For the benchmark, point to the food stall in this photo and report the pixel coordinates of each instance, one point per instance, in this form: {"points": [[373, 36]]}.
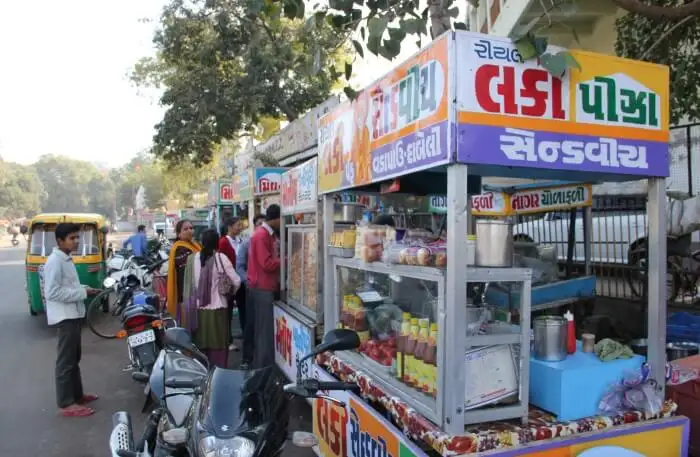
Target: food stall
{"points": [[431, 382], [256, 189]]}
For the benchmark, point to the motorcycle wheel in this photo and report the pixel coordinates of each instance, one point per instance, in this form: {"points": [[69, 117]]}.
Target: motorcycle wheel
{"points": [[104, 324]]}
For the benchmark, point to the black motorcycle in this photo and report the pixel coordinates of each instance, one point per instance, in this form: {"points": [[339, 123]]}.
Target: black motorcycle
{"points": [[219, 412]]}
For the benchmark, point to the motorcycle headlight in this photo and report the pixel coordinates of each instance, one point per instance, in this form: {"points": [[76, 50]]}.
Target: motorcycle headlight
{"points": [[238, 446]]}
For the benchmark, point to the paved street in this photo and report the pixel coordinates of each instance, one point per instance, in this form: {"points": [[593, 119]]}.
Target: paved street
{"points": [[30, 425]]}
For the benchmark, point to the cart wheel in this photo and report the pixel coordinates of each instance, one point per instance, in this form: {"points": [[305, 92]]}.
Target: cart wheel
{"points": [[104, 324], [637, 276], [32, 312]]}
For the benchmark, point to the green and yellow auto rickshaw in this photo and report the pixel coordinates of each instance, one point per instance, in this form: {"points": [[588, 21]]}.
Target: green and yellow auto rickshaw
{"points": [[89, 258]]}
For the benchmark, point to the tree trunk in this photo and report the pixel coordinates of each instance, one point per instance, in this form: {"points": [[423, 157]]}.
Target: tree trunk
{"points": [[439, 19], [658, 13]]}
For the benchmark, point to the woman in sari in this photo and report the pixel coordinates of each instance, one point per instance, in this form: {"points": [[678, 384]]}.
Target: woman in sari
{"points": [[179, 253], [212, 270]]}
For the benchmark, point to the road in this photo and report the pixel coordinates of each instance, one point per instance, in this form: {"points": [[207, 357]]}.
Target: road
{"points": [[30, 424]]}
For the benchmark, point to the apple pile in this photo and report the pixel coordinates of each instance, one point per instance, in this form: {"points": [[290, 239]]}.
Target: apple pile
{"points": [[381, 351]]}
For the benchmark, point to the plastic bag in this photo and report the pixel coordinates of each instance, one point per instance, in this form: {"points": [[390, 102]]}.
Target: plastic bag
{"points": [[634, 392]]}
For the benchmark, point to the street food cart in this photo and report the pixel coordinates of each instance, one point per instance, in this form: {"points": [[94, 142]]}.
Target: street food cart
{"points": [[468, 106], [256, 189]]}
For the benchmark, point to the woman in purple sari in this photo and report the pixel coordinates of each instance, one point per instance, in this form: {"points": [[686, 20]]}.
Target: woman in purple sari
{"points": [[211, 268]]}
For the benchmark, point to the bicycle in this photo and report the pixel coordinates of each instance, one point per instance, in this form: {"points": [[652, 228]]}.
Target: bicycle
{"points": [[678, 276]]}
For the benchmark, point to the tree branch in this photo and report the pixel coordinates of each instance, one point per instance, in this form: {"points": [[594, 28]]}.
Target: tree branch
{"points": [[665, 35], [657, 13]]}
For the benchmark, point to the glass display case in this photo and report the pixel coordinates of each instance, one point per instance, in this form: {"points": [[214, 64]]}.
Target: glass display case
{"points": [[396, 313], [303, 269]]}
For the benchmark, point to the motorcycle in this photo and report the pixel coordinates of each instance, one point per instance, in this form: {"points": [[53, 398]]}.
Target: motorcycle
{"points": [[220, 412]]}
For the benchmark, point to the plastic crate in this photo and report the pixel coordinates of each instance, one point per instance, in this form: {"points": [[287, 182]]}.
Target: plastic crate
{"points": [[683, 327]]}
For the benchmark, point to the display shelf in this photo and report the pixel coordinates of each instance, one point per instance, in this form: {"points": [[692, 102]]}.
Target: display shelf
{"points": [[474, 274]]}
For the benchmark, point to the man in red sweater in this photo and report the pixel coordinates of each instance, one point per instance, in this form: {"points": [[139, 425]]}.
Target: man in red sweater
{"points": [[263, 285], [228, 245]]}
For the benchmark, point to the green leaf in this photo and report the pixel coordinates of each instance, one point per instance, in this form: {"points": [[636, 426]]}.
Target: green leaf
{"points": [[373, 44], [290, 9], [461, 26], [390, 49], [411, 25], [571, 61], [376, 26], [555, 64], [362, 32], [453, 12], [526, 47], [358, 48], [348, 70], [356, 15], [396, 34], [541, 44], [350, 92]]}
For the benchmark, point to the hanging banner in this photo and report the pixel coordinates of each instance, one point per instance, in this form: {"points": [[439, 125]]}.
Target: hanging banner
{"points": [[560, 198], [299, 193], [612, 116], [396, 126], [268, 180], [491, 204]]}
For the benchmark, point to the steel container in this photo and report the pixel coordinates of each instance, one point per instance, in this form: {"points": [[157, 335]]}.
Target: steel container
{"points": [[550, 338], [494, 243]]}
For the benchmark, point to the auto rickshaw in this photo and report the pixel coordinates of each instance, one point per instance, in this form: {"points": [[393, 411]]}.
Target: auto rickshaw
{"points": [[89, 258]]}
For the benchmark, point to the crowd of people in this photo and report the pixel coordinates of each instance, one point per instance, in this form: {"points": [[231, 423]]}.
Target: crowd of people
{"points": [[208, 278]]}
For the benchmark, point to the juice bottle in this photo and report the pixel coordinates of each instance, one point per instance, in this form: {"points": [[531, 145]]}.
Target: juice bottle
{"points": [[430, 359], [421, 346], [401, 342], [409, 358]]}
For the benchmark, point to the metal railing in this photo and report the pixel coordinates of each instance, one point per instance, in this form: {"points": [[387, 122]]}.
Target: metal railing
{"points": [[619, 225]]}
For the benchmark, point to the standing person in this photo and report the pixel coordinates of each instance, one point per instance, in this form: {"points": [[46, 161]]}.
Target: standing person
{"points": [[183, 247], [138, 242], [211, 268], [264, 282], [242, 297], [229, 245], [65, 309]]}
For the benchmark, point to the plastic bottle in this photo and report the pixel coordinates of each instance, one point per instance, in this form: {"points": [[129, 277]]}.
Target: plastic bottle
{"points": [[570, 333], [401, 344]]}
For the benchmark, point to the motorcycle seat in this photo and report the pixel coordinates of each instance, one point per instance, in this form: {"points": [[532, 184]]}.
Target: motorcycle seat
{"points": [[140, 309]]}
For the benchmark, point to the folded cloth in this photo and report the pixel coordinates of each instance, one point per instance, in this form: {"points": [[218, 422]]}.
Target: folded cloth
{"points": [[607, 350]]}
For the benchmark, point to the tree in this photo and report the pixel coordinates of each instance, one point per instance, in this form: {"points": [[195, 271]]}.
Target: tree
{"points": [[21, 190], [227, 64], [666, 40]]}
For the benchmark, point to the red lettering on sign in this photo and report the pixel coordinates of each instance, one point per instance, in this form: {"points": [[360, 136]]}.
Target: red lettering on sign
{"points": [[530, 92], [267, 185], [526, 201], [333, 154], [225, 192], [332, 426], [283, 340], [482, 202]]}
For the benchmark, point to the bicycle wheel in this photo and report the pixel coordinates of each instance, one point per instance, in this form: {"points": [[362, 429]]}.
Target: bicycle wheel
{"points": [[105, 322], [639, 283]]}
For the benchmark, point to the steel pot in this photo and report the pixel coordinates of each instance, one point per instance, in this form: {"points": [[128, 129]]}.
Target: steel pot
{"points": [[494, 243], [681, 350], [550, 338], [639, 346], [348, 212]]}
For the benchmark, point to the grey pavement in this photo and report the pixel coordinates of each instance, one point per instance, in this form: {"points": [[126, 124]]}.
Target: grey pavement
{"points": [[29, 424]]}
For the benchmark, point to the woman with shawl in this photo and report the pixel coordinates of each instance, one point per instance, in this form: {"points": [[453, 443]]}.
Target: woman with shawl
{"points": [[213, 325], [179, 253]]}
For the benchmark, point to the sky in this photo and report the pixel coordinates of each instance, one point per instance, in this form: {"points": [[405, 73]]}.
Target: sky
{"points": [[64, 87]]}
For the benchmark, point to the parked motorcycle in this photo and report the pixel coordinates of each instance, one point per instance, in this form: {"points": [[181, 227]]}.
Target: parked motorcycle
{"points": [[220, 412]]}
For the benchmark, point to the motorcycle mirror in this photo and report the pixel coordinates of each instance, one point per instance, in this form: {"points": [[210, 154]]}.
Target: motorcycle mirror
{"points": [[341, 339], [298, 390], [108, 283]]}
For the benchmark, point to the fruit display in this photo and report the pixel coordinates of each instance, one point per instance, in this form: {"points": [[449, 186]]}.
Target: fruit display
{"points": [[381, 351]]}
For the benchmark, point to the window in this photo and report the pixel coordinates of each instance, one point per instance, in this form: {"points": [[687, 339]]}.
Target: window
{"points": [[43, 240]]}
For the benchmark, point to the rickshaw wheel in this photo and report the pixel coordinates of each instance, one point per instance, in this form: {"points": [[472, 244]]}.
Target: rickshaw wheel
{"points": [[96, 315], [33, 313]]}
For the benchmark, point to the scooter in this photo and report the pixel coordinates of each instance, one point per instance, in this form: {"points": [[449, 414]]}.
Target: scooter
{"points": [[220, 412]]}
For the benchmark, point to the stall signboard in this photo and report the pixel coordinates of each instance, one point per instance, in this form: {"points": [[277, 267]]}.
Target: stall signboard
{"points": [[664, 438], [268, 180], [225, 191], [299, 193], [356, 430], [437, 203], [244, 186], [396, 126], [551, 199], [293, 340], [491, 204], [195, 214], [609, 116]]}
